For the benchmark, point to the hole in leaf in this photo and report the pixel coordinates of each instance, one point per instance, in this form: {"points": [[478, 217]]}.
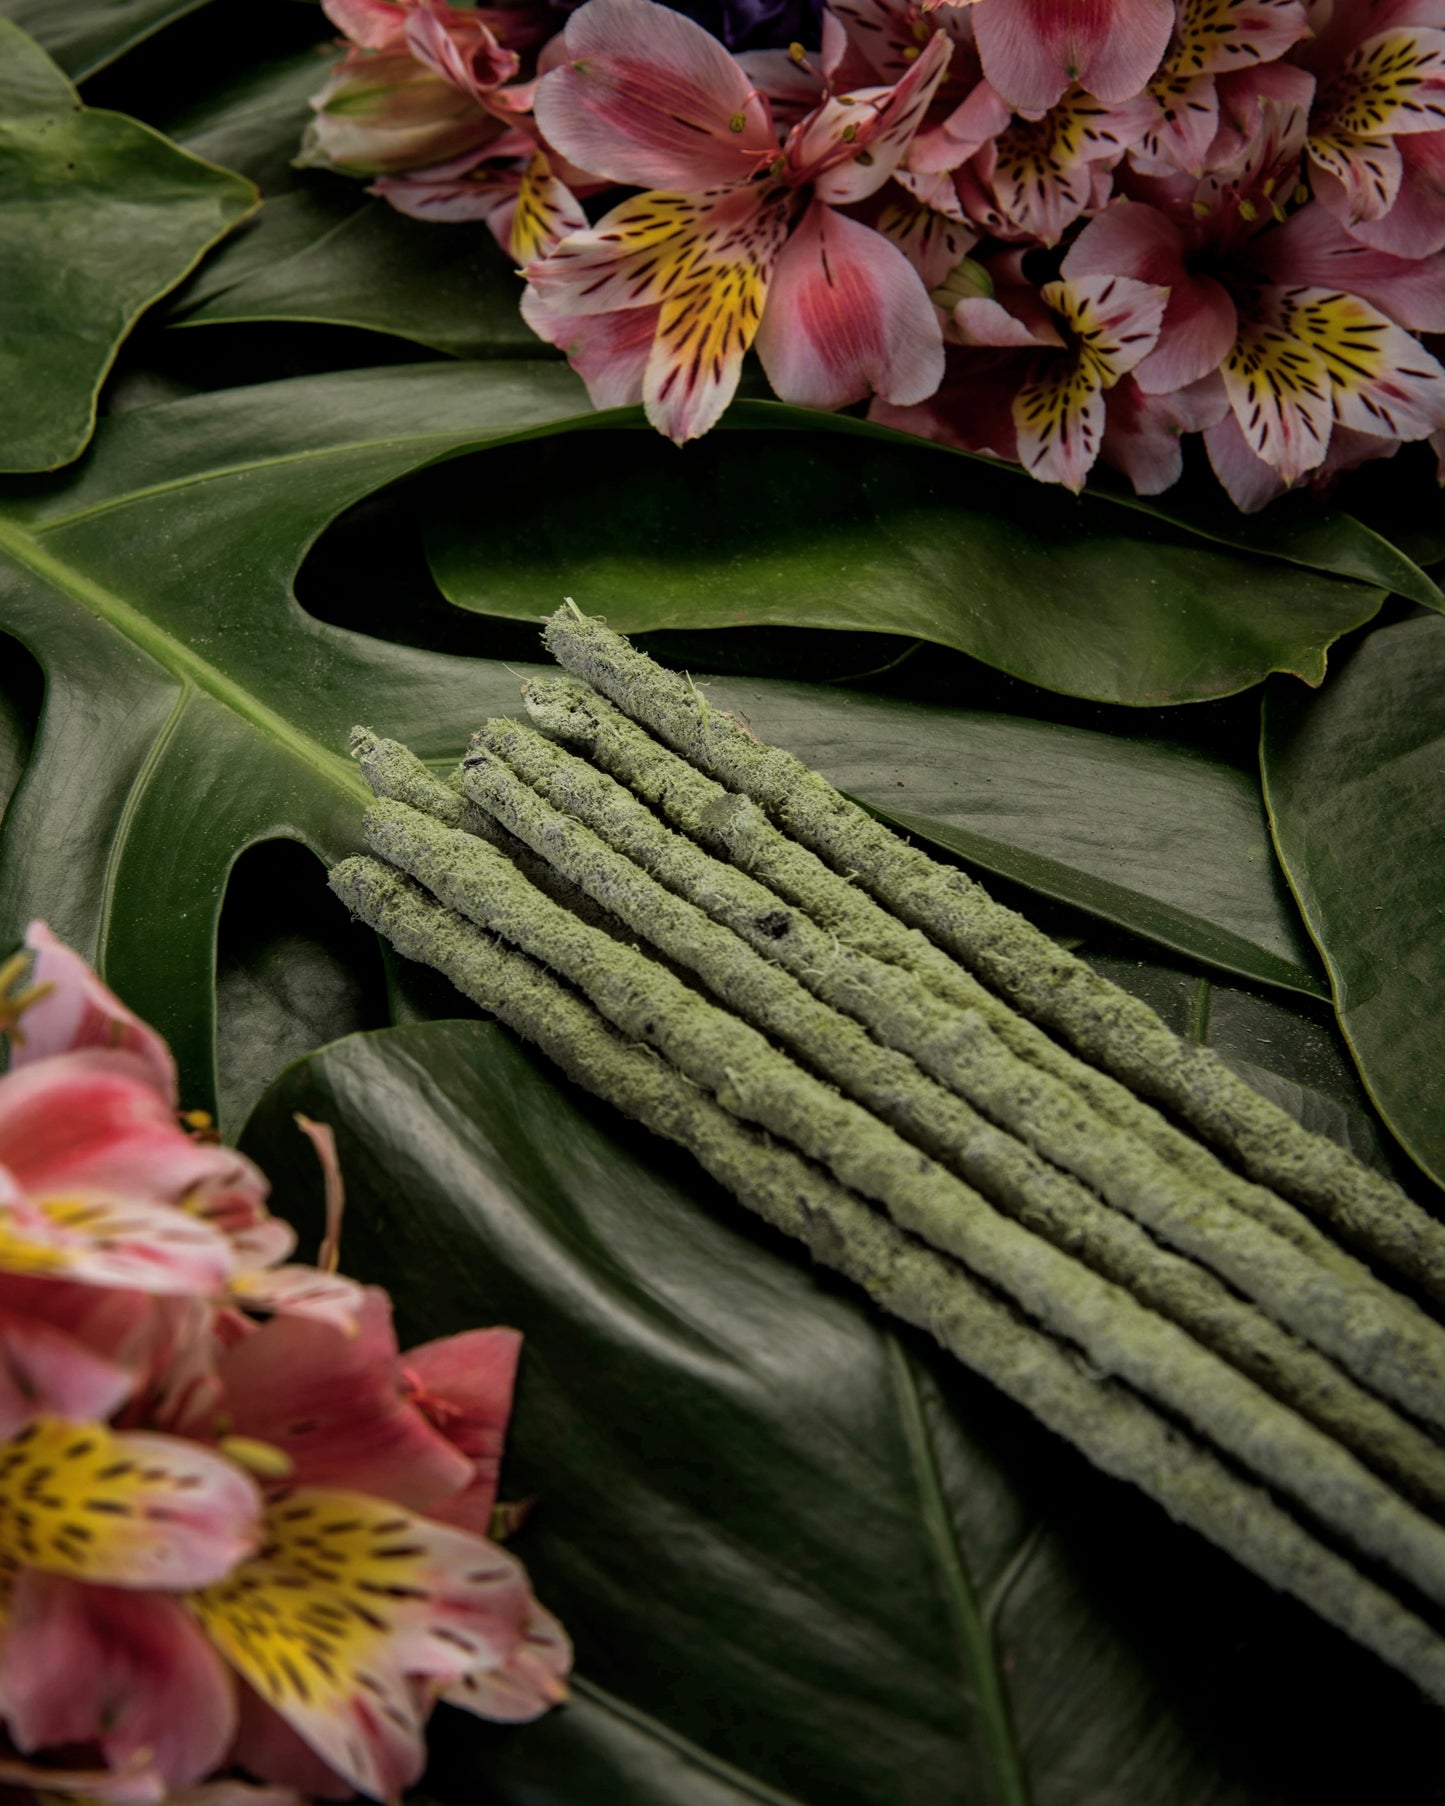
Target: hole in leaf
{"points": [[292, 972]]}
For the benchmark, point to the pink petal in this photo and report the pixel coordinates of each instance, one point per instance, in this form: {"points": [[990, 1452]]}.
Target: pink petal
{"points": [[881, 40], [922, 216], [1382, 380], [463, 1385], [1414, 228], [1224, 35], [1279, 387], [382, 1597], [1255, 157], [648, 98], [1143, 433], [1132, 239], [267, 1746], [1185, 124], [1313, 250], [980, 321], [297, 1291], [1251, 482], [45, 1372], [79, 1011], [460, 48], [529, 1683], [475, 186], [323, 1139], [546, 212], [1129, 239], [373, 24], [977, 119], [1041, 171], [1059, 414], [1392, 84], [1349, 449], [712, 281], [1033, 50], [1366, 171], [847, 317], [132, 1509], [972, 409], [334, 1403], [128, 1671], [608, 351], [853, 143]]}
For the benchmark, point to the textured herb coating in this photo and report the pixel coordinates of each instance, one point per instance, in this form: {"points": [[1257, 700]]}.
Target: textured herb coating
{"points": [[393, 770], [755, 1081], [960, 1050], [734, 828], [1301, 1279], [1105, 1421], [1100, 1020]]}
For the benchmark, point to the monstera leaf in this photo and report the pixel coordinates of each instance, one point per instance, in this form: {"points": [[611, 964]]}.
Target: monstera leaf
{"points": [[98, 217], [805, 1558], [194, 708]]}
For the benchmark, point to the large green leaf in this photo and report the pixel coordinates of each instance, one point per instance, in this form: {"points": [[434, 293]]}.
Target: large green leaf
{"points": [[99, 216], [323, 250], [1355, 785], [834, 526], [84, 35], [195, 709], [806, 1560]]}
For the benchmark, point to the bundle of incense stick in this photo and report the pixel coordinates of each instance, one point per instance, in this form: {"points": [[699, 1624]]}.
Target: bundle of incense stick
{"points": [[1000, 1146]]}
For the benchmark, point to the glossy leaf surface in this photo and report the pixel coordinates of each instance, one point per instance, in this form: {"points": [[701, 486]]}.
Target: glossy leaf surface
{"points": [[1355, 784], [323, 251], [807, 1561], [85, 35], [194, 708], [99, 216], [833, 526]]}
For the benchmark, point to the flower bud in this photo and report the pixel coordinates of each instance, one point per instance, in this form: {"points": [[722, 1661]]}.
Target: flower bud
{"points": [[382, 111]]}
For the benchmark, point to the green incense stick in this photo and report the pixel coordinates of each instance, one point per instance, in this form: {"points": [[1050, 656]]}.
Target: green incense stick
{"points": [[756, 1082], [1384, 1339], [1101, 1021], [1106, 1422]]}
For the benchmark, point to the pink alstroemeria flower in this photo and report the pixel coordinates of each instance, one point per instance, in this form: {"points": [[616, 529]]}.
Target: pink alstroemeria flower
{"points": [[98, 1180], [1048, 357], [1309, 337], [1031, 178], [422, 85], [1377, 131], [213, 1547], [65, 1007], [1212, 38], [737, 240]]}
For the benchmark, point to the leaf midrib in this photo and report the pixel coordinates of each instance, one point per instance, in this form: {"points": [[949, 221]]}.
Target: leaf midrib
{"points": [[180, 660], [970, 1623]]}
